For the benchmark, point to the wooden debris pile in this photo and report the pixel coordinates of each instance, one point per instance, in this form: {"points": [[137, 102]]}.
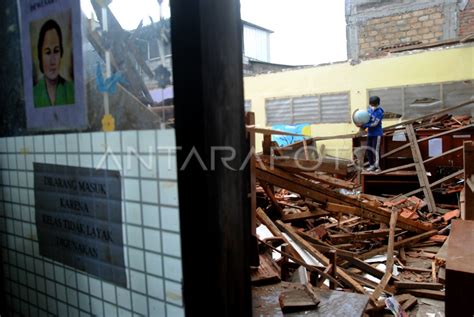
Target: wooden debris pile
{"points": [[391, 249], [316, 217]]}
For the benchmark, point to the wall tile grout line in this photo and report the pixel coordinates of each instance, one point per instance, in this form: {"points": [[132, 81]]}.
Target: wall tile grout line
{"points": [[59, 293], [160, 215], [141, 224]]}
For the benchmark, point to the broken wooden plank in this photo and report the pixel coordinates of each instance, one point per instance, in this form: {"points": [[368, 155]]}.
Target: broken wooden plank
{"points": [[359, 236], [310, 268], [371, 284], [415, 269], [389, 263], [366, 267], [436, 183], [323, 246], [391, 241], [426, 293], [398, 244], [381, 285], [326, 179], [323, 195], [418, 285], [262, 216], [266, 131], [299, 165], [406, 224], [250, 119], [304, 215], [320, 257], [269, 193], [420, 168]]}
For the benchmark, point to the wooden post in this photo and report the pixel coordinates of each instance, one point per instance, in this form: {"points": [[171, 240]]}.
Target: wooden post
{"points": [[213, 204], [254, 257], [468, 210], [267, 144], [420, 168]]}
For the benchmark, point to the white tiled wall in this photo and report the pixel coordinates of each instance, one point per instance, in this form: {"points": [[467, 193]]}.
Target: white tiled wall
{"points": [[37, 286]]}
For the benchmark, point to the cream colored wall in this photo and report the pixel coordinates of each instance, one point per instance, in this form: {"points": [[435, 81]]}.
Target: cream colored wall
{"points": [[439, 65]]}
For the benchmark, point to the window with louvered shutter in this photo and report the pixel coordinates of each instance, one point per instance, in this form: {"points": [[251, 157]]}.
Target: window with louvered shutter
{"points": [[335, 108], [391, 100]]}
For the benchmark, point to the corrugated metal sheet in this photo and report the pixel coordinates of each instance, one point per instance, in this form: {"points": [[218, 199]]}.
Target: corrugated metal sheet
{"points": [[335, 108], [390, 100], [278, 111], [256, 44], [306, 110]]}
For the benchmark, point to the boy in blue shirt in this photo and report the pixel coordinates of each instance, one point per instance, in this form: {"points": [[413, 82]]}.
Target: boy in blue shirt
{"points": [[375, 132]]}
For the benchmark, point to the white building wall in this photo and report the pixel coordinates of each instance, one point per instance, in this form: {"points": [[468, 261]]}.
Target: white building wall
{"points": [[256, 43]]}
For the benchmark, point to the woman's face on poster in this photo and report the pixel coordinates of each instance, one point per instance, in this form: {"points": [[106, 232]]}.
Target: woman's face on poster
{"points": [[51, 54]]}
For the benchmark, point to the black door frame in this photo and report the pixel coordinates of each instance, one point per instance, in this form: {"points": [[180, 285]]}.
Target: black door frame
{"points": [[214, 206]]}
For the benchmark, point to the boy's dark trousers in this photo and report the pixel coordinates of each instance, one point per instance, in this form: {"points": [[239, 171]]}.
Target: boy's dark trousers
{"points": [[373, 150]]}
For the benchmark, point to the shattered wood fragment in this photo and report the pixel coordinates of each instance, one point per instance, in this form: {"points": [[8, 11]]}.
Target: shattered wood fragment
{"points": [[382, 284], [389, 290], [323, 195], [262, 216], [266, 273], [340, 223], [409, 303], [310, 268], [389, 203], [318, 232], [295, 301], [312, 294], [320, 257], [323, 246]]}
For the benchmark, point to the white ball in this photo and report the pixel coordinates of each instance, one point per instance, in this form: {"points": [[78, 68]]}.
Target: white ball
{"points": [[360, 117]]}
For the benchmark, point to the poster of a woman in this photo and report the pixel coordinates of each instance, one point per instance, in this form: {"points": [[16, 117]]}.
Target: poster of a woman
{"points": [[53, 64], [52, 89]]}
